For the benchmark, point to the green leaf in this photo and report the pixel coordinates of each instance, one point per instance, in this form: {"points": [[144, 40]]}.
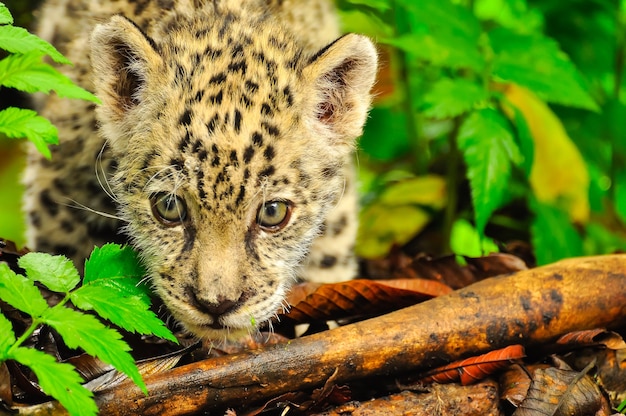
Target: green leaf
{"points": [[131, 313], [17, 123], [119, 267], [28, 73], [525, 140], [7, 337], [449, 98], [20, 292], [60, 380], [444, 34], [18, 40], [5, 15], [57, 273], [379, 5], [88, 333], [465, 240], [553, 235], [537, 63], [488, 149]]}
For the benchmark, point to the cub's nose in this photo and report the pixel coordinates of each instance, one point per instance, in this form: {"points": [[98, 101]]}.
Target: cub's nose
{"points": [[220, 307], [215, 309]]}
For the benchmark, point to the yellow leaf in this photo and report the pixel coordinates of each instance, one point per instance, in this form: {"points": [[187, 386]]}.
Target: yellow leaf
{"points": [[383, 226], [428, 190], [559, 174]]}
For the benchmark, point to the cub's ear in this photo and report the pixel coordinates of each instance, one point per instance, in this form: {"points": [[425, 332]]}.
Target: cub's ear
{"points": [[123, 59], [342, 75]]}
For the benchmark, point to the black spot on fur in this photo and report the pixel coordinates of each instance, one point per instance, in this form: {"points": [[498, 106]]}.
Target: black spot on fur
{"points": [[218, 78], [257, 138], [268, 171], [266, 109], [184, 142], [185, 118], [251, 86], [329, 172], [245, 101], [50, 206], [240, 195], [247, 154], [233, 157], [217, 98], [288, 96], [269, 153], [271, 129], [210, 126], [238, 66], [237, 122], [212, 53], [237, 51]]}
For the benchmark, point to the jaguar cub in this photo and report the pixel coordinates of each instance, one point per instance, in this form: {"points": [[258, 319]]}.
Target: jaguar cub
{"points": [[222, 150]]}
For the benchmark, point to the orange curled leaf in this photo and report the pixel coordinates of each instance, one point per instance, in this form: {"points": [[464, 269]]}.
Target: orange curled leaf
{"points": [[474, 369]]}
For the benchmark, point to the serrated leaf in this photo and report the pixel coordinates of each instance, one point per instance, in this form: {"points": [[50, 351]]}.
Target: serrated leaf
{"points": [[28, 73], [17, 40], [60, 380], [449, 98], [57, 273], [5, 15], [88, 333], [7, 336], [444, 34], [118, 266], [131, 313], [17, 123], [553, 236], [537, 63], [438, 51], [20, 292], [488, 149]]}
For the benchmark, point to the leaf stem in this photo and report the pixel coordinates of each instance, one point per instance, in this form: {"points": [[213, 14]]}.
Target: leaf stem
{"points": [[452, 179], [33, 326]]}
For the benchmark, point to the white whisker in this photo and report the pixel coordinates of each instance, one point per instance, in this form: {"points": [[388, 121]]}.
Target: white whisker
{"points": [[103, 181], [78, 205]]}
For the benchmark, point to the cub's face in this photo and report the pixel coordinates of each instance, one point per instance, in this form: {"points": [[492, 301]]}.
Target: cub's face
{"points": [[229, 151]]}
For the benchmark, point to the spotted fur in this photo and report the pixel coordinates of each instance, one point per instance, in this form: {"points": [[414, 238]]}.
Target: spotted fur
{"points": [[224, 106]]}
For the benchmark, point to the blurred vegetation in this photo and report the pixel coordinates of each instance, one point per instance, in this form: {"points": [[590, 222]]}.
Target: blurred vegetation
{"points": [[495, 121]]}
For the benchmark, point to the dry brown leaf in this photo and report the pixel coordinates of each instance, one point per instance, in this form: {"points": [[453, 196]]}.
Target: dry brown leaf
{"points": [[562, 392], [598, 336], [315, 302]]}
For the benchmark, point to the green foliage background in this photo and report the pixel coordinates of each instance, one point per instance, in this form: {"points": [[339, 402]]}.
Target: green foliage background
{"points": [[495, 121], [507, 116]]}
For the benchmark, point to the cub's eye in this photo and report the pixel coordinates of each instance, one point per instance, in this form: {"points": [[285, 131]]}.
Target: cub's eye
{"points": [[273, 215], [169, 209]]}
